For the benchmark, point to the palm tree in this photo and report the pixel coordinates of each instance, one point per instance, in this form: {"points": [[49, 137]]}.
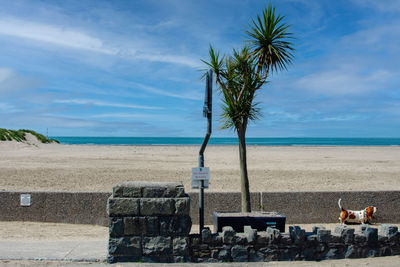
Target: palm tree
{"points": [[241, 74]]}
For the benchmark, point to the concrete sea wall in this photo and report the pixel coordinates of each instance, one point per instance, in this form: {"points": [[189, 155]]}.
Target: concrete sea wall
{"points": [[298, 207]]}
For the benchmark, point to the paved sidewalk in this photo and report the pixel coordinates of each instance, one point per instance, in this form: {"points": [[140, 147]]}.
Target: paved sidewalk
{"points": [[93, 250]]}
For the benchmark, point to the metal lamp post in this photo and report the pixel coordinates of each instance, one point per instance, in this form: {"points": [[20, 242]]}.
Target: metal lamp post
{"points": [[207, 112]]}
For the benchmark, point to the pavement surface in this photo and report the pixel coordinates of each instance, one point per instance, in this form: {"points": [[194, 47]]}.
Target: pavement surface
{"points": [[87, 251], [93, 253]]}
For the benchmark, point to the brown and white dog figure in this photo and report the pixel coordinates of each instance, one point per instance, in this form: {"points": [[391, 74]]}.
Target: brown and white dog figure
{"points": [[356, 216]]}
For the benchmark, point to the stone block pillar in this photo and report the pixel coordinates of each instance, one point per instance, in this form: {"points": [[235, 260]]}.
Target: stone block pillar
{"points": [[148, 222]]}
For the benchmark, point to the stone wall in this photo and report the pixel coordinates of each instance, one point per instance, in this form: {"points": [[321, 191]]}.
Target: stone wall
{"points": [[272, 245], [148, 222]]}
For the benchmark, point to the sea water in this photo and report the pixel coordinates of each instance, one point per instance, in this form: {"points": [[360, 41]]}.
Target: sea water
{"points": [[281, 141]]}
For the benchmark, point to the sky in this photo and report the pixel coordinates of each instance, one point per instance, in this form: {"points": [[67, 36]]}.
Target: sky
{"points": [[133, 68]]}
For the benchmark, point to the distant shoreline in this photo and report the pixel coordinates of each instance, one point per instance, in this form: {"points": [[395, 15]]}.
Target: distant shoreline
{"points": [[227, 141]]}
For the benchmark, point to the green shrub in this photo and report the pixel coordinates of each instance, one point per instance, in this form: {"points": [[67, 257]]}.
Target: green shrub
{"points": [[19, 136]]}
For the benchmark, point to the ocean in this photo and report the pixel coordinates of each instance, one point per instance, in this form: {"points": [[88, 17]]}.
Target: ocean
{"points": [[284, 141]]}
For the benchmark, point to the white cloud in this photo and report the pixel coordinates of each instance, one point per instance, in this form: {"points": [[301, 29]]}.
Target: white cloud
{"points": [[375, 37], [385, 6], [344, 81], [5, 73], [8, 108], [187, 95], [102, 103], [53, 34], [77, 39]]}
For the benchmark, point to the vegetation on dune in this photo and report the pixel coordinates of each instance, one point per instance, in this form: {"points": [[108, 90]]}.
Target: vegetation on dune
{"points": [[19, 136]]}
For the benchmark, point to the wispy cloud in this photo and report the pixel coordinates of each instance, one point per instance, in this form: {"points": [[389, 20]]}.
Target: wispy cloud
{"points": [[343, 81], [77, 39], [385, 6], [5, 73], [8, 108], [91, 102], [53, 35], [185, 95]]}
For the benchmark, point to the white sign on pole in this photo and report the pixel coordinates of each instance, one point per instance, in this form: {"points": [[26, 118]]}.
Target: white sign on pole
{"points": [[200, 174], [26, 200]]}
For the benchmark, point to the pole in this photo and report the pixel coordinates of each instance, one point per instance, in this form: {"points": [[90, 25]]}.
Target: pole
{"points": [[207, 112]]}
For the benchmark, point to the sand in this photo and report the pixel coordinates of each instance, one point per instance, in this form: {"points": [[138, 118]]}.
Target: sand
{"points": [[54, 167]]}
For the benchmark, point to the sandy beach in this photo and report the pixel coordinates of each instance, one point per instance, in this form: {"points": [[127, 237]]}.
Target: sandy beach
{"points": [[54, 167]]}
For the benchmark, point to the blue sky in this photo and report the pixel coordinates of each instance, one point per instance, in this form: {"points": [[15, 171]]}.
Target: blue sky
{"points": [[132, 68]]}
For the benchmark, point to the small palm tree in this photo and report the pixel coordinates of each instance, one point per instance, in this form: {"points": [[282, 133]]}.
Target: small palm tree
{"points": [[241, 74]]}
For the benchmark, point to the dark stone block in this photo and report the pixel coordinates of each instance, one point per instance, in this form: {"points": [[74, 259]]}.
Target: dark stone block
{"points": [[309, 254], [297, 235], [239, 253], [371, 235], [239, 239], [263, 238], [286, 240], [134, 225], [165, 226], [180, 246], [175, 225], [389, 231], [182, 206], [336, 238], [206, 235], [181, 225], [228, 235], [251, 234], [315, 229], [287, 254], [274, 234], [115, 227], [182, 259], [157, 206], [152, 226], [359, 238], [123, 190], [224, 254], [346, 233], [271, 255], [157, 246], [352, 252], [214, 253], [148, 189], [334, 253], [123, 207], [178, 191], [255, 256], [363, 227], [372, 253], [324, 235], [382, 239], [111, 259], [128, 246], [153, 192], [385, 251]]}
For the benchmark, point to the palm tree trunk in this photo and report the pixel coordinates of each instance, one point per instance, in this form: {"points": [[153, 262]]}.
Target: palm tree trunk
{"points": [[245, 191]]}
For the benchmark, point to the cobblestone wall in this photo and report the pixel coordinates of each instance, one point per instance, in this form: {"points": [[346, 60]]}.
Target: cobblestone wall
{"points": [[273, 245], [148, 222]]}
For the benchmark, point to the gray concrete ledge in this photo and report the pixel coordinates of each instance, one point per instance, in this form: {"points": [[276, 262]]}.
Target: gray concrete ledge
{"points": [[298, 207]]}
